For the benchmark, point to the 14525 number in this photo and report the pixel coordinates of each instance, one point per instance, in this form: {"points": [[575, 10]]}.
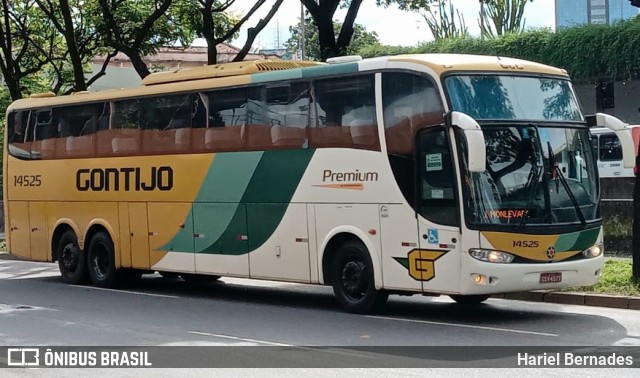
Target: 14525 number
{"points": [[27, 180]]}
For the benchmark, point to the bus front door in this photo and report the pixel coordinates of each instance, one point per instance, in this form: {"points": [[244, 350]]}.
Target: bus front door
{"points": [[437, 262]]}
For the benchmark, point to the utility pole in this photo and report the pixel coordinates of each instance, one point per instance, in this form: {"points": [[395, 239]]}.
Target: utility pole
{"points": [[301, 31], [481, 19]]}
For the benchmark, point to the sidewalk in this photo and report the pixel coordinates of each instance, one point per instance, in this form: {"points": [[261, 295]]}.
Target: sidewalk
{"points": [[575, 298]]}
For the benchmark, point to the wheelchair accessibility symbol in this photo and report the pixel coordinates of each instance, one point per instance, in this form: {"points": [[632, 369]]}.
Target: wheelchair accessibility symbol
{"points": [[432, 236]]}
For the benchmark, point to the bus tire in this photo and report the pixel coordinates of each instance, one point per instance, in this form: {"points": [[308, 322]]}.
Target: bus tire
{"points": [[72, 261], [353, 280], [469, 299], [198, 279], [101, 261]]}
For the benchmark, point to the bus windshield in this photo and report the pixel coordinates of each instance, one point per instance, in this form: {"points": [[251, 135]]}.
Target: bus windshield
{"points": [[534, 175], [513, 97]]}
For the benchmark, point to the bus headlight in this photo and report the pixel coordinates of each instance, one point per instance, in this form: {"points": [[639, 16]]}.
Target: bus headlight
{"points": [[593, 251], [490, 255]]}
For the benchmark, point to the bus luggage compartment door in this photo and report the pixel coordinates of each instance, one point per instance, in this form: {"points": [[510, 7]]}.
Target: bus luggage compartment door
{"points": [[19, 229]]}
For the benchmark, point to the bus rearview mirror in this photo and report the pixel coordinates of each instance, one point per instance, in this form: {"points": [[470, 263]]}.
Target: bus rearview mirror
{"points": [[476, 147]]}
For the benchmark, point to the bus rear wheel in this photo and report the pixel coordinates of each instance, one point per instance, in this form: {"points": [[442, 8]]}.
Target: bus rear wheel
{"points": [[469, 299], [71, 259], [353, 281], [101, 261]]}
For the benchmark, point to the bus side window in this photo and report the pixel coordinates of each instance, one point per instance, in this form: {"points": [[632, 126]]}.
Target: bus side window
{"points": [[123, 138], [77, 127], [610, 149], [290, 111], [17, 129], [45, 134], [227, 117], [410, 102], [161, 117], [345, 113]]}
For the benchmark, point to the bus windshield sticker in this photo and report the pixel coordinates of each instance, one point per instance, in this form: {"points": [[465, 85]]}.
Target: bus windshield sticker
{"points": [[434, 162], [437, 193]]}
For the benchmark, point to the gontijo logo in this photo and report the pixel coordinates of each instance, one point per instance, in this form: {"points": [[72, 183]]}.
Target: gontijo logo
{"points": [[126, 179], [347, 180]]}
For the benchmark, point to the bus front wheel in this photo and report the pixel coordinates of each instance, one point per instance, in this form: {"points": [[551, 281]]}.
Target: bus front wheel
{"points": [[101, 261], [353, 281], [469, 299], [71, 259]]}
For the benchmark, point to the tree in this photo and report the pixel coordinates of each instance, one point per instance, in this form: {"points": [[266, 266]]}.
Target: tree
{"points": [[217, 25], [500, 17], [322, 12], [361, 38], [20, 34], [138, 28], [442, 21], [75, 22]]}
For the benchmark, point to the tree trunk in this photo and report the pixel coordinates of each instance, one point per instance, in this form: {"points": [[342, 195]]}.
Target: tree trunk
{"points": [[138, 64], [207, 33], [74, 55], [326, 37]]}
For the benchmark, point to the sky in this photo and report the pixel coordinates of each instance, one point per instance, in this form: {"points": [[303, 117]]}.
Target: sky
{"points": [[393, 26]]}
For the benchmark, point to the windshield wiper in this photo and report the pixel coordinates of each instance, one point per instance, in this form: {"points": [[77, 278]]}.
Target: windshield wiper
{"points": [[533, 179], [553, 168]]}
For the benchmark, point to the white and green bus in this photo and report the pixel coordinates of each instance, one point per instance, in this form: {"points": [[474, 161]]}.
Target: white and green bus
{"points": [[436, 174]]}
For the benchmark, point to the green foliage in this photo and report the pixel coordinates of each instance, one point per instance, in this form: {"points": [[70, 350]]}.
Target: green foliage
{"points": [[616, 279], [500, 17], [588, 52], [445, 21], [361, 39]]}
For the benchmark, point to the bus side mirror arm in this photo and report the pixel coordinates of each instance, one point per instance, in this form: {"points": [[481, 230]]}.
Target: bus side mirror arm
{"points": [[622, 132], [476, 147]]}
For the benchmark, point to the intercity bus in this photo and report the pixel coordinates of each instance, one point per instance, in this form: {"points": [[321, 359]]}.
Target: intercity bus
{"points": [[432, 174], [616, 180]]}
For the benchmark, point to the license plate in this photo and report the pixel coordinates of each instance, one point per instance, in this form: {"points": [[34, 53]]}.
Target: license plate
{"points": [[550, 277]]}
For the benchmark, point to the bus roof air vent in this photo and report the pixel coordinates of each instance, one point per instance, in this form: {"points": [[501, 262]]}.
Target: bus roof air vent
{"points": [[224, 70], [42, 95], [344, 59]]}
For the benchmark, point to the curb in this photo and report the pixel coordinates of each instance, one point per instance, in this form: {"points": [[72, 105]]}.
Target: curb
{"points": [[573, 298], [4, 255]]}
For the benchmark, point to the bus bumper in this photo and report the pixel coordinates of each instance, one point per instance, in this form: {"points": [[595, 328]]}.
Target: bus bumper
{"points": [[479, 277]]}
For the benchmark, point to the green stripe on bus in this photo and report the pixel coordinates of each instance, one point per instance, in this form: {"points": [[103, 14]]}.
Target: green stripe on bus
{"points": [[226, 182], [266, 199], [330, 69], [229, 176], [586, 239], [565, 242]]}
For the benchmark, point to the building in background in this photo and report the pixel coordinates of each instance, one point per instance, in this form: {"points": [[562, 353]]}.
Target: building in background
{"points": [[576, 12], [120, 72]]}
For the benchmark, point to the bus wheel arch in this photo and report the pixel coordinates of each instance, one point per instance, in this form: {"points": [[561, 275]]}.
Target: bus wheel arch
{"points": [[332, 244], [99, 225], [60, 227]]}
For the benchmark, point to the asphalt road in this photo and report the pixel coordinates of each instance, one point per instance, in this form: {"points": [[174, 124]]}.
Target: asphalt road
{"points": [[36, 308]]}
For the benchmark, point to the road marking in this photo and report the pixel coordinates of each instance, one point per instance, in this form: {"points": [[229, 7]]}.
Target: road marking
{"points": [[125, 291], [465, 326], [238, 338]]}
